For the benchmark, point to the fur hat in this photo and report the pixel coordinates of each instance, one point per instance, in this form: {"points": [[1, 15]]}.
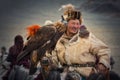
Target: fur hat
{"points": [[74, 15], [70, 13]]}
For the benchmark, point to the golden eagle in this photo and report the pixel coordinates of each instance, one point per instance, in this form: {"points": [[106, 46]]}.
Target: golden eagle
{"points": [[41, 40]]}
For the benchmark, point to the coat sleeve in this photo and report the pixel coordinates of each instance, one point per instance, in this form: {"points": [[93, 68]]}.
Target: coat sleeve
{"points": [[100, 50]]}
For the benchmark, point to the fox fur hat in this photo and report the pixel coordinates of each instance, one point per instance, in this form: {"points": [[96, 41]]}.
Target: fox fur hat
{"points": [[69, 12]]}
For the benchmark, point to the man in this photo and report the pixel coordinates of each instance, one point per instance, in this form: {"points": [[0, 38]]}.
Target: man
{"points": [[15, 49], [82, 55]]}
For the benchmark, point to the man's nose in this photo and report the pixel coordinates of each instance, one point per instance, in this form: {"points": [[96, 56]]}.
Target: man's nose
{"points": [[76, 25]]}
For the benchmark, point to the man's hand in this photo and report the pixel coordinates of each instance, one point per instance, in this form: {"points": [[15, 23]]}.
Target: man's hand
{"points": [[102, 69]]}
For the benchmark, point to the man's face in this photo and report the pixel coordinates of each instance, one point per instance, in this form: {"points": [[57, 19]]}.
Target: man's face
{"points": [[73, 26]]}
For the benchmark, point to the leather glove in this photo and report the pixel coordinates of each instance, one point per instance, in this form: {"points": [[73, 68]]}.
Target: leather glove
{"points": [[102, 69]]}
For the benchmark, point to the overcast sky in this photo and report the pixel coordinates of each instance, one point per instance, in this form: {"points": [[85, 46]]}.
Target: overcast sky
{"points": [[16, 11]]}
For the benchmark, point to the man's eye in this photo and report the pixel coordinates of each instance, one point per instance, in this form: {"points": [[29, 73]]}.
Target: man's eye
{"points": [[78, 24]]}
